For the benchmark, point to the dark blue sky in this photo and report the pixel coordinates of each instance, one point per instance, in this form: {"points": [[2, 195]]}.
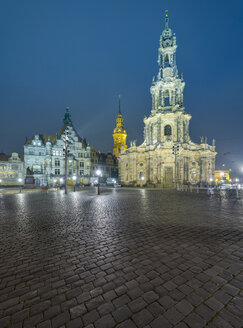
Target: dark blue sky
{"points": [[57, 53]]}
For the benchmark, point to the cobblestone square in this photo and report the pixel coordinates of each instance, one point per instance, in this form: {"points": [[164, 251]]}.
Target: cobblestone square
{"points": [[127, 258]]}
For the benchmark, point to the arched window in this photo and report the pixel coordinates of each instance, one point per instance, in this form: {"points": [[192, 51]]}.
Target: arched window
{"points": [[167, 130], [167, 61], [166, 98]]}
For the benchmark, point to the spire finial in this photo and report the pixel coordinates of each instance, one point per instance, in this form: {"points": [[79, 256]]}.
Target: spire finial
{"points": [[166, 19], [119, 96], [67, 117]]}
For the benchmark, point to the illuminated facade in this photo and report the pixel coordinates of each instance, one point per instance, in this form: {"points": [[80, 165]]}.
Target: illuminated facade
{"points": [[43, 154], [222, 176], [12, 171], [167, 156], [106, 163], [119, 134]]}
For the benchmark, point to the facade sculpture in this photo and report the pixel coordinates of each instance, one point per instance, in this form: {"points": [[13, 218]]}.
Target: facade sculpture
{"points": [[167, 156]]}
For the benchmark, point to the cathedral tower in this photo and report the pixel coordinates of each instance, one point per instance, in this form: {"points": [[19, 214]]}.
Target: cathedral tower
{"points": [[168, 120], [119, 134], [167, 157]]}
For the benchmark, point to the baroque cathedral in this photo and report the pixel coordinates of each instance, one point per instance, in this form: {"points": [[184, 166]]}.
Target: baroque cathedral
{"points": [[167, 156]]}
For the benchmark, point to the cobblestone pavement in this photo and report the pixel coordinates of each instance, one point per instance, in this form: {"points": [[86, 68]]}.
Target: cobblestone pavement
{"points": [[127, 258]]}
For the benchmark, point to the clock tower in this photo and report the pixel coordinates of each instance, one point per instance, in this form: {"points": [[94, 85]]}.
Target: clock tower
{"points": [[119, 134]]}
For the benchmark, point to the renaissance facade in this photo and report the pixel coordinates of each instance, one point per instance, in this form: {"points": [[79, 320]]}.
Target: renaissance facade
{"points": [[167, 156], [44, 156]]}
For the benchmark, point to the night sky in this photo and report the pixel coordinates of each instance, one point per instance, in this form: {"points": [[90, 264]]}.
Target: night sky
{"points": [[82, 54]]}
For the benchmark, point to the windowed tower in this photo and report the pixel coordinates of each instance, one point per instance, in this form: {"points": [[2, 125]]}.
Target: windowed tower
{"points": [[167, 157], [119, 134]]}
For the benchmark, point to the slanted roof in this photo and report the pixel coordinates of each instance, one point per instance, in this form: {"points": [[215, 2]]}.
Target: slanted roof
{"points": [[46, 137]]}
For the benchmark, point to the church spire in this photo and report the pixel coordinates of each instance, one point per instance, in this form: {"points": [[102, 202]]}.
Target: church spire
{"points": [[119, 133], [119, 111], [167, 91], [67, 117], [166, 20]]}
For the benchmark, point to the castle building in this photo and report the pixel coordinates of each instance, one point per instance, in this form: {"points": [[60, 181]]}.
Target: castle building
{"points": [[44, 155], [119, 134], [167, 156]]}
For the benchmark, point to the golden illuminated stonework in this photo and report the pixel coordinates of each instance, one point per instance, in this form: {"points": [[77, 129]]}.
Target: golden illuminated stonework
{"points": [[167, 157], [119, 134]]}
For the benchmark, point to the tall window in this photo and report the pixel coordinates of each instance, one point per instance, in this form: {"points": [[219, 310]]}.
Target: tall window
{"points": [[57, 171], [57, 162], [167, 130], [166, 98], [167, 61], [81, 164]]}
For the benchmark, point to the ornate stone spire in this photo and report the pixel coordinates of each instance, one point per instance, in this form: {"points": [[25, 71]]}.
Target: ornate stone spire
{"points": [[119, 133], [166, 20], [167, 91], [67, 117], [119, 111]]}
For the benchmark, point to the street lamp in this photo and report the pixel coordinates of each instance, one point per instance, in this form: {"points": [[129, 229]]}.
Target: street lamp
{"points": [[67, 142], [99, 174], [211, 181], [20, 180], [74, 182]]}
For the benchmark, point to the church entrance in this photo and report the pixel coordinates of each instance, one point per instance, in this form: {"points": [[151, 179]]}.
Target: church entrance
{"points": [[168, 181]]}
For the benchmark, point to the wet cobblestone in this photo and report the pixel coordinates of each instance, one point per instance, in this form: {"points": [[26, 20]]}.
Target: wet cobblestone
{"points": [[127, 258]]}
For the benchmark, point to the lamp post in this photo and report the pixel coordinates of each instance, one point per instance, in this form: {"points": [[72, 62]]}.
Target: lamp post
{"points": [[20, 180], [67, 141], [175, 151], [99, 174], [74, 182], [211, 181]]}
